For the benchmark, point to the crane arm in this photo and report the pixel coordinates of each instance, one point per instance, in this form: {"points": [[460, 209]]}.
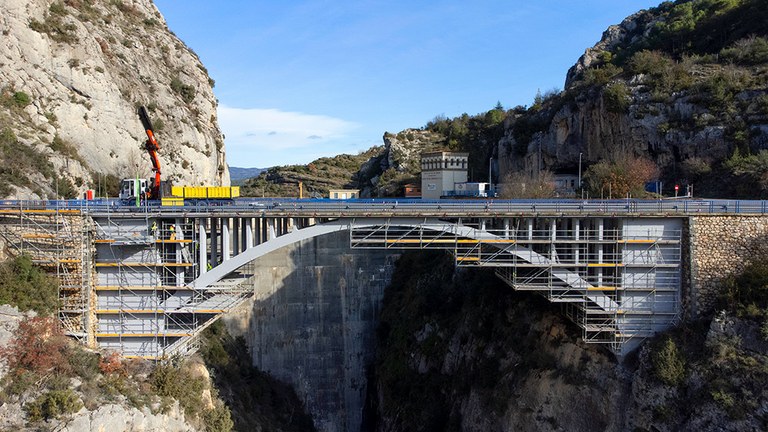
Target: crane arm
{"points": [[151, 146]]}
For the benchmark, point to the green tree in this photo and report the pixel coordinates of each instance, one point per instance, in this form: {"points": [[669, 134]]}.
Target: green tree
{"points": [[669, 363]]}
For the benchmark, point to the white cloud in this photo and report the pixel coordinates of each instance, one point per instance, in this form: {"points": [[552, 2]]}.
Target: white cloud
{"points": [[260, 137]]}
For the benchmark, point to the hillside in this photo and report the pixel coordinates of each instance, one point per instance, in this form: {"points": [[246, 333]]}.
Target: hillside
{"points": [[380, 171], [72, 74], [683, 84]]}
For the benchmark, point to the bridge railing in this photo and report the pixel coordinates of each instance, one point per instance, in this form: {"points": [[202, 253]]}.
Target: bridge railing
{"points": [[406, 207]]}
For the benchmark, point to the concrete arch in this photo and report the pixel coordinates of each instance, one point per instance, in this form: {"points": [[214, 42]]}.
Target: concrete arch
{"points": [[570, 278]]}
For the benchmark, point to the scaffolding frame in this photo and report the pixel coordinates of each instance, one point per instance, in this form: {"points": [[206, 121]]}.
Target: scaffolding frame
{"points": [[617, 284], [58, 240], [149, 309]]}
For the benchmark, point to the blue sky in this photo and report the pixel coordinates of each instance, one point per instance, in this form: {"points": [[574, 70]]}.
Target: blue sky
{"points": [[297, 80]]}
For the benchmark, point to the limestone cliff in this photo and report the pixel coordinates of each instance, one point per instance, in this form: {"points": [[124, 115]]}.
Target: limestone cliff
{"points": [[683, 84], [73, 73]]}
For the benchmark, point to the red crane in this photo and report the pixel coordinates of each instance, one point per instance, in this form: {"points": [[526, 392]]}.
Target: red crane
{"points": [[151, 147]]}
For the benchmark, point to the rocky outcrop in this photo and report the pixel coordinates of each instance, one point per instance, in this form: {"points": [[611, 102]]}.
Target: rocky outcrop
{"points": [[587, 126], [73, 73], [110, 417], [404, 149]]}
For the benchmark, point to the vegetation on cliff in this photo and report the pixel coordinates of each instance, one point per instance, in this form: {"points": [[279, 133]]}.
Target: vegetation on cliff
{"points": [[692, 74], [459, 350], [317, 177]]}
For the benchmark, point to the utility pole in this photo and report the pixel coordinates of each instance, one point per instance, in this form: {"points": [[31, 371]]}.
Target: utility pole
{"points": [[580, 169]]}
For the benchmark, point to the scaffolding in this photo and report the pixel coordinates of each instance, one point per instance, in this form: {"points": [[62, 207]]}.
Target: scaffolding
{"points": [[617, 279], [146, 306], [57, 240]]}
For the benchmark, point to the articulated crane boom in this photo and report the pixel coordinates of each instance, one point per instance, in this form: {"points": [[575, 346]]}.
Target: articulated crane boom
{"points": [[131, 189], [151, 147]]}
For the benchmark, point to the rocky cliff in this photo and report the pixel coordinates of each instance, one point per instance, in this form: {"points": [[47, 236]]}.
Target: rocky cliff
{"points": [[460, 350], [73, 73], [683, 84]]}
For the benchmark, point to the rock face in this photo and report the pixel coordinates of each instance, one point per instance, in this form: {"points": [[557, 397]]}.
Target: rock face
{"points": [[653, 88], [110, 417], [73, 73], [312, 324], [463, 351], [384, 175]]}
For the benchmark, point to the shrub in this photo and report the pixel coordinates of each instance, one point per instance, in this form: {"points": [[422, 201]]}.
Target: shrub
{"points": [[53, 404], [751, 51], [39, 346], [218, 419], [747, 293], [186, 91], [522, 185], [111, 364], [625, 176], [601, 75], [177, 383], [21, 99], [668, 363], [617, 97], [27, 287]]}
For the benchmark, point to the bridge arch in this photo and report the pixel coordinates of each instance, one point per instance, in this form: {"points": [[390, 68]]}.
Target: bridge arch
{"points": [[566, 277]]}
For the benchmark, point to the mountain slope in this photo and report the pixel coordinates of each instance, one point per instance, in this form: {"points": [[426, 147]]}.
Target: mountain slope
{"points": [[685, 84], [73, 73]]}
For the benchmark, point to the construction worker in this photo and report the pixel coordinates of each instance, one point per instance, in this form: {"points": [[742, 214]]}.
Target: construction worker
{"points": [[153, 229], [173, 232]]}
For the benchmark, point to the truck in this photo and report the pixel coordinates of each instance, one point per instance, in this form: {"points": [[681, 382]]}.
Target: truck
{"points": [[136, 189]]}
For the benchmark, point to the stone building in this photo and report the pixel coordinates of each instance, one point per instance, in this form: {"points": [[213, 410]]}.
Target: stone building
{"points": [[440, 171]]}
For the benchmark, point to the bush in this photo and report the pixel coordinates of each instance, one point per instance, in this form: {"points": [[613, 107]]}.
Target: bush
{"points": [[601, 75], [177, 383], [521, 185], [27, 287], [218, 419], [626, 176], [186, 91], [747, 293], [617, 97], [53, 404], [669, 363], [751, 51], [39, 346], [21, 99]]}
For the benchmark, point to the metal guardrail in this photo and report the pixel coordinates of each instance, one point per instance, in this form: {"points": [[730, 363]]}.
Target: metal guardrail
{"points": [[409, 207]]}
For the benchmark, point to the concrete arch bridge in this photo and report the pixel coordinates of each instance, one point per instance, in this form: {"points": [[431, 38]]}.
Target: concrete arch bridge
{"points": [[147, 281]]}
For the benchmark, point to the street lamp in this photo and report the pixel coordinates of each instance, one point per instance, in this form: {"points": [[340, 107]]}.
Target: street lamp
{"points": [[580, 169]]}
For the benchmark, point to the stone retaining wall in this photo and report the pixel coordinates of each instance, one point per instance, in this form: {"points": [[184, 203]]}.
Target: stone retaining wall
{"points": [[719, 247]]}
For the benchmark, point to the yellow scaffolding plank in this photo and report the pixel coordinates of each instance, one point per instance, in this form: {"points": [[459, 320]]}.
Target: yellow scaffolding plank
{"points": [[37, 236], [136, 311], [605, 265], [142, 264], [104, 241], [133, 335], [602, 288], [172, 241], [468, 258], [637, 241], [139, 288]]}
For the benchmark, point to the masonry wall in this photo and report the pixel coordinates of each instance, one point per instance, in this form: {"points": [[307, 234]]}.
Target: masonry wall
{"points": [[720, 247]]}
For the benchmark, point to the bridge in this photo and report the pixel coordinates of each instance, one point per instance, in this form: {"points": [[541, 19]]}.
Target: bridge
{"points": [[145, 281]]}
